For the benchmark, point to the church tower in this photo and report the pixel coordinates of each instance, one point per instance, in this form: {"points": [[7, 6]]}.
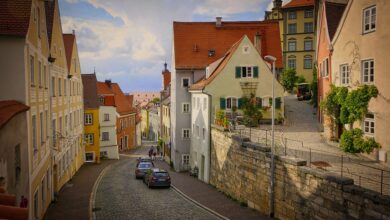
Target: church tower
{"points": [[276, 13]]}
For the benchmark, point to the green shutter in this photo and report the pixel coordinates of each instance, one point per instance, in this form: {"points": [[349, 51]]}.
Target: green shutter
{"points": [[278, 102], [256, 72], [270, 102], [239, 103], [222, 103], [259, 102], [238, 72]]}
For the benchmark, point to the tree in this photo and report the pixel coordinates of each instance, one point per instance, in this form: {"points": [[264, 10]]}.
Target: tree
{"points": [[314, 88], [288, 79], [155, 100], [251, 110]]}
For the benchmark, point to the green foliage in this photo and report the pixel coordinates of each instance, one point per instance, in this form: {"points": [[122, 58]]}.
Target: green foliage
{"points": [[331, 105], [156, 100], [300, 79], [288, 79], [252, 114], [314, 88], [353, 141]]}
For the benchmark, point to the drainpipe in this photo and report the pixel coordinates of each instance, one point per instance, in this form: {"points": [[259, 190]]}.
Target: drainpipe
{"points": [[209, 125]]}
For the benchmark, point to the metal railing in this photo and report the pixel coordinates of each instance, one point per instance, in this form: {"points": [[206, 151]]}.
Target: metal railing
{"points": [[347, 165]]}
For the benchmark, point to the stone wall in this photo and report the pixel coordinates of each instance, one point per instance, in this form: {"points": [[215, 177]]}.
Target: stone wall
{"points": [[241, 169]]}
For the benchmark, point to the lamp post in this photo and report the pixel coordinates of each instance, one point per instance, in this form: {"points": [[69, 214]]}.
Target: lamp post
{"points": [[272, 59]]}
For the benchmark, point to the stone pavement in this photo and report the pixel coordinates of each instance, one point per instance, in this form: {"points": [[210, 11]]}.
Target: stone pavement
{"points": [[209, 197], [73, 199]]}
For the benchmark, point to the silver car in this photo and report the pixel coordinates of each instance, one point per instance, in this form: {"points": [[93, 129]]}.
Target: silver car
{"points": [[142, 168]]}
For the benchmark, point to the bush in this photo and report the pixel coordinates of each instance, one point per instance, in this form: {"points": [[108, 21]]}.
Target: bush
{"points": [[353, 141], [300, 79], [252, 113], [288, 79]]}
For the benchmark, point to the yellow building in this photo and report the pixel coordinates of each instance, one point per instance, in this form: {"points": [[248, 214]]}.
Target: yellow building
{"points": [[298, 30], [91, 118], [66, 100], [25, 78], [145, 122]]}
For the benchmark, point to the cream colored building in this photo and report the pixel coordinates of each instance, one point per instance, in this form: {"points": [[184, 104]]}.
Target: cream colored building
{"points": [[361, 56], [25, 78], [66, 100]]}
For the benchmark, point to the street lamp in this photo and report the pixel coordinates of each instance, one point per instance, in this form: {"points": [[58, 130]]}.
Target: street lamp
{"points": [[272, 59]]}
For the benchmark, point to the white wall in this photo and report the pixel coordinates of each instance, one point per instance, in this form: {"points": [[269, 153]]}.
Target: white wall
{"points": [[110, 146]]}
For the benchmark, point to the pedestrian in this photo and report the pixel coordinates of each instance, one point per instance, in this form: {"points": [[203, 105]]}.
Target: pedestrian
{"points": [[154, 155], [23, 202]]}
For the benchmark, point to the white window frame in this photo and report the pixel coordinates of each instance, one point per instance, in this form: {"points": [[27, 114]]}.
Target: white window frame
{"points": [[369, 81], [93, 157], [108, 136], [87, 120], [310, 42], [292, 15], [231, 102], [306, 13], [290, 44], [369, 123], [305, 27], [183, 131], [345, 75], [325, 67], [305, 59], [182, 82], [368, 19], [249, 70], [204, 103], [198, 131], [290, 25], [106, 117], [183, 108], [295, 63], [89, 138], [185, 159]]}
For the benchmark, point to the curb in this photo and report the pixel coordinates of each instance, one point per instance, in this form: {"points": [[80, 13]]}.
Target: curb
{"points": [[93, 193], [198, 204]]}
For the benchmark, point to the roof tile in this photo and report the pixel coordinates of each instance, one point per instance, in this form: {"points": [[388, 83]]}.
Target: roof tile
{"points": [[90, 91], [15, 17], [298, 3], [334, 12], [10, 108]]}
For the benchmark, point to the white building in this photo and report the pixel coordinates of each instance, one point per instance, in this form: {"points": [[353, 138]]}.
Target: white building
{"points": [[108, 140]]}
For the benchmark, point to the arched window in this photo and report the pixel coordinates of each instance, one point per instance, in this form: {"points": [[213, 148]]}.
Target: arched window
{"points": [[308, 43], [307, 62], [291, 62], [292, 44]]}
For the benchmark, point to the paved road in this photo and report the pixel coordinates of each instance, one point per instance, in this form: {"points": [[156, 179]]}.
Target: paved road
{"points": [[121, 196]]}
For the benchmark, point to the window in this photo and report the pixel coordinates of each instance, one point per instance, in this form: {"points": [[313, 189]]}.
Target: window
{"points": [[32, 72], [369, 124], [59, 87], [45, 76], [185, 82], [204, 133], [89, 138], [66, 123], [47, 122], [368, 71], [292, 28], [87, 119], [101, 99], [106, 117], [34, 134], [53, 123], [186, 133], [344, 74], [291, 62], [53, 86], [186, 159], [308, 13], [197, 131], [307, 62], [369, 19], [41, 125], [65, 90], [231, 102], [40, 74], [186, 107], [292, 45], [308, 27], [89, 156], [60, 125], [39, 22], [247, 71], [308, 44], [325, 68], [18, 167], [105, 136], [292, 15], [36, 214], [204, 103]]}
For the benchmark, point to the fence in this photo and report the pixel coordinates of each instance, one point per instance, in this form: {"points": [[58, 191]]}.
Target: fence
{"points": [[363, 174]]}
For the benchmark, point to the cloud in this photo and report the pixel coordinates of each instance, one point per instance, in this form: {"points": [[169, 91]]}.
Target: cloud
{"points": [[72, 1], [228, 7]]}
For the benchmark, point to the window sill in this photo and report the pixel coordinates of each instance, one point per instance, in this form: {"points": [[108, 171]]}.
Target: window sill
{"points": [[368, 32]]}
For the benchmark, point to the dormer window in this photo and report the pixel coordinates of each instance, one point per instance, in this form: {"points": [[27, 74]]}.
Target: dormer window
{"points": [[211, 52]]}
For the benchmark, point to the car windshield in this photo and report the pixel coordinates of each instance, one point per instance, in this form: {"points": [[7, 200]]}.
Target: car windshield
{"points": [[159, 174], [145, 165]]}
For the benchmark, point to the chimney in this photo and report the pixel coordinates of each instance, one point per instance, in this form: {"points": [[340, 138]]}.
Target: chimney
{"points": [[258, 42], [108, 82], [218, 22], [73, 32], [165, 66]]}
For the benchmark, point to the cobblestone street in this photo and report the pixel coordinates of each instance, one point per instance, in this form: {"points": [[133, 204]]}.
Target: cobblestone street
{"points": [[121, 196]]}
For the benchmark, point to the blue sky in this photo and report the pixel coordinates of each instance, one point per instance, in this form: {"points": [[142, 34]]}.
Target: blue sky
{"points": [[128, 41]]}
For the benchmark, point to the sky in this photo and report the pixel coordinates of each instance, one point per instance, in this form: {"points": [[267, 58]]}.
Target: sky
{"points": [[128, 41]]}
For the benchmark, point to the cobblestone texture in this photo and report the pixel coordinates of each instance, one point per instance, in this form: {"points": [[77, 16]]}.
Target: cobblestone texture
{"points": [[121, 196]]}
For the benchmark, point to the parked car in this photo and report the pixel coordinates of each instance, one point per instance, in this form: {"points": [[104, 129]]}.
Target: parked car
{"points": [[142, 168], [157, 177], [144, 159], [303, 91]]}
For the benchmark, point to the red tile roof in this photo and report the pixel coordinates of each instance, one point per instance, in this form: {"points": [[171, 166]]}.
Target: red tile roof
{"points": [[130, 98], [298, 3], [334, 12], [69, 40], [192, 40], [103, 89], [90, 91], [14, 17], [8, 109], [204, 82], [123, 106]]}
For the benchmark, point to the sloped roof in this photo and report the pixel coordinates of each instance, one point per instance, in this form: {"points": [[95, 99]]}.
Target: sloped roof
{"points": [[15, 17], [103, 89], [10, 108], [193, 40], [123, 106], [334, 12], [130, 98], [49, 9], [203, 82], [298, 3], [90, 91], [69, 40]]}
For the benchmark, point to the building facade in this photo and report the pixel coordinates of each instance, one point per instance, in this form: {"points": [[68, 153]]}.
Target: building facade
{"points": [[299, 26], [189, 66], [360, 48]]}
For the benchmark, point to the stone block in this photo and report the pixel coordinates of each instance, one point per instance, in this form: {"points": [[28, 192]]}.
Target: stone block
{"points": [[293, 160], [339, 180]]}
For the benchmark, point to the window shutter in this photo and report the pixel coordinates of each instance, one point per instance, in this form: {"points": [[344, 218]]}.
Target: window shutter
{"points": [[222, 103], [259, 102], [270, 101], [256, 72], [278, 102], [238, 72], [239, 103]]}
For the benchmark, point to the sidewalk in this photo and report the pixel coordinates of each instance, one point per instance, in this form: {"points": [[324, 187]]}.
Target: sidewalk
{"points": [[73, 199], [209, 197]]}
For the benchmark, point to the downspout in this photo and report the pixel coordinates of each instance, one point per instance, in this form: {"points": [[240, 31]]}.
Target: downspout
{"points": [[209, 125]]}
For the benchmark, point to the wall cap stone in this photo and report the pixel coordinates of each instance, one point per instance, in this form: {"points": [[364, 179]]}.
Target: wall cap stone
{"points": [[256, 146], [313, 171], [293, 160], [338, 179], [240, 139]]}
